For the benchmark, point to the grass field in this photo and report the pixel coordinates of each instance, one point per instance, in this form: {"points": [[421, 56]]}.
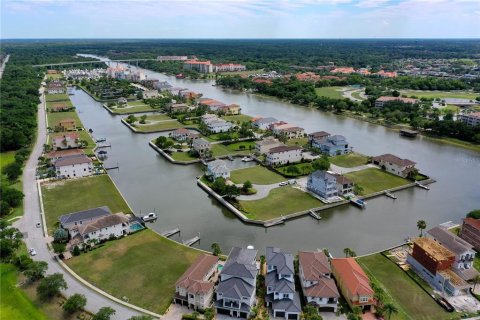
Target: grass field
{"points": [[69, 196], [159, 126], [303, 169], [349, 160], [55, 117], [413, 301], [297, 142], [219, 150], [14, 303], [256, 175], [280, 201], [373, 180], [330, 92], [239, 117], [182, 156], [134, 107], [6, 158], [67, 102], [56, 97], [142, 267], [440, 94]]}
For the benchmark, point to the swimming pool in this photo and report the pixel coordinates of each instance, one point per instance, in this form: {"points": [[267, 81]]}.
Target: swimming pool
{"points": [[136, 227]]}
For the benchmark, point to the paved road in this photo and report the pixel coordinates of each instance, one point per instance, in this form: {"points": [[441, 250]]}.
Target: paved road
{"points": [[264, 189], [34, 236], [342, 170], [2, 68]]}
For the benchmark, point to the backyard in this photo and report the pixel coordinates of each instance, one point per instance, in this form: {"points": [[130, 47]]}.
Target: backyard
{"points": [[159, 126], [219, 150], [63, 197], [55, 117], [256, 175], [349, 160], [413, 301], [279, 202], [374, 180], [142, 267], [132, 107], [182, 156]]}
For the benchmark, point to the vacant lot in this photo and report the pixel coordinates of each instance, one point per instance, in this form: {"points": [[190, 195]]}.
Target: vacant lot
{"points": [[440, 94], [413, 301], [330, 92], [220, 150], [349, 160], [69, 196], [182, 156], [297, 142], [56, 97], [280, 201], [373, 180], [132, 107], [238, 118], [14, 303], [55, 117], [142, 267], [256, 175]]}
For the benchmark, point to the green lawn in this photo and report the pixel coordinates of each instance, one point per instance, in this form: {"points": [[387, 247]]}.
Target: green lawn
{"points": [[159, 126], [349, 160], [280, 201], [182, 156], [239, 117], [142, 267], [303, 169], [297, 142], [158, 117], [413, 301], [256, 175], [242, 146], [6, 158], [55, 117], [56, 97], [69, 196], [357, 95], [440, 94], [133, 109], [219, 150], [373, 180], [50, 104], [14, 304], [330, 92]]}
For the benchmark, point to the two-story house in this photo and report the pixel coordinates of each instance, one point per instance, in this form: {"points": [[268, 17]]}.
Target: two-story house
{"points": [[395, 165], [281, 295], [180, 134], [235, 294], [219, 125], [315, 274], [74, 166], [332, 145], [68, 221], [344, 185], [103, 228], [265, 145], [264, 123], [195, 287], [217, 169], [318, 136], [353, 283], [323, 183], [471, 232], [464, 253], [283, 155], [201, 146]]}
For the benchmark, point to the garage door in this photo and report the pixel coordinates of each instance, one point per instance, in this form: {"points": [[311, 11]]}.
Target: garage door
{"points": [[293, 316], [280, 314]]}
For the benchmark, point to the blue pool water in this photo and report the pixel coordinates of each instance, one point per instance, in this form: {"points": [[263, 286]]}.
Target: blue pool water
{"points": [[136, 226]]}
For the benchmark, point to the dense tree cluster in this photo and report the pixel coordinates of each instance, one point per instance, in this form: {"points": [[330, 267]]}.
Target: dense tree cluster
{"points": [[454, 129]]}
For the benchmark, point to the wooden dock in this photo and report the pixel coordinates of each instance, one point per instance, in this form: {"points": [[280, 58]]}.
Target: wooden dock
{"points": [[192, 241], [418, 184], [100, 146], [314, 215], [390, 195], [169, 233], [274, 222], [101, 140]]}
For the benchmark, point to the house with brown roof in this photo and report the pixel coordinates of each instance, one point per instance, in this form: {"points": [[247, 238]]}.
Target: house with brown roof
{"points": [[67, 124], [344, 185], [318, 136], [471, 232], [287, 130], [353, 283], [56, 87], [231, 109], [178, 107], [318, 286], [74, 166], [66, 141], [103, 228], [395, 165], [180, 134], [60, 107], [265, 145], [194, 288]]}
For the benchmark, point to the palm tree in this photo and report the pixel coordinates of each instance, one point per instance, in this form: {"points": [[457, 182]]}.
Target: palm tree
{"points": [[347, 252], [421, 225], [390, 309]]}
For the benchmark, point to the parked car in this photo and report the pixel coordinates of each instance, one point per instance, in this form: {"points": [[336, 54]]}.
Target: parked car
{"points": [[284, 183], [32, 252]]}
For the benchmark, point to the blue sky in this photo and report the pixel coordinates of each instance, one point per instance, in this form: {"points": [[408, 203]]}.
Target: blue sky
{"points": [[240, 19]]}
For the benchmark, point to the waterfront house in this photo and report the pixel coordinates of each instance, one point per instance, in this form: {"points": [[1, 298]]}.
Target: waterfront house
{"points": [[353, 283], [74, 166], [217, 169], [317, 137], [344, 185], [66, 141], [471, 232], [381, 101], [433, 263], [395, 165], [201, 146], [287, 130], [56, 87], [189, 95], [209, 117], [194, 288], [235, 294], [265, 145], [264, 123], [68, 221], [199, 66], [471, 119], [150, 94], [318, 286], [231, 109], [162, 85], [178, 107], [103, 228], [323, 184], [463, 251], [281, 295], [60, 107], [180, 134], [55, 155], [212, 104], [175, 91], [332, 145], [283, 155], [67, 124], [219, 125]]}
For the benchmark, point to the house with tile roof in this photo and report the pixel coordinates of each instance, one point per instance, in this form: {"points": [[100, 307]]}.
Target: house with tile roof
{"points": [[235, 294], [471, 232], [264, 123], [282, 296], [353, 283], [55, 155], [265, 145], [194, 288], [73, 166], [395, 165], [318, 286], [67, 124]]}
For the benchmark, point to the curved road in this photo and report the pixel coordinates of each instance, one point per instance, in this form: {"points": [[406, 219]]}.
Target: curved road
{"points": [[34, 237]]}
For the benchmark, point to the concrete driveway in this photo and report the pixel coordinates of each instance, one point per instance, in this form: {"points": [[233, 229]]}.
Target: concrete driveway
{"points": [[264, 189]]}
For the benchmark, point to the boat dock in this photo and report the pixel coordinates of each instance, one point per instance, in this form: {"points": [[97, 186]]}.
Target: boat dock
{"points": [[104, 146], [274, 222], [408, 133], [101, 140], [192, 241], [390, 195], [169, 233], [418, 184], [358, 202], [314, 215]]}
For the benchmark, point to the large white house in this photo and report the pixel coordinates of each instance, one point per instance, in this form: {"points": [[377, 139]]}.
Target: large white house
{"points": [[217, 169], [283, 155], [194, 289], [219, 125], [471, 119], [74, 166], [103, 228], [394, 164], [264, 123]]}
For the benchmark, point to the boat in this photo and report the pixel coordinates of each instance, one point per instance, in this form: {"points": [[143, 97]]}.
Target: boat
{"points": [[358, 202], [102, 152], [150, 217], [247, 159], [101, 140], [180, 76], [230, 158], [408, 133]]}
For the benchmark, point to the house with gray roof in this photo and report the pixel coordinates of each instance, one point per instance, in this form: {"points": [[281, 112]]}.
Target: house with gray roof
{"points": [[68, 221], [332, 145], [264, 123], [217, 169], [279, 280], [201, 146], [235, 294], [464, 252], [323, 183]]}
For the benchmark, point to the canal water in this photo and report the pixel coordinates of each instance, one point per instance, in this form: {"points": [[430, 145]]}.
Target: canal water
{"points": [[149, 182]]}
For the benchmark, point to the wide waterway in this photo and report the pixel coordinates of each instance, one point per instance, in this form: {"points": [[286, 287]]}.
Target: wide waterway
{"points": [[149, 182]]}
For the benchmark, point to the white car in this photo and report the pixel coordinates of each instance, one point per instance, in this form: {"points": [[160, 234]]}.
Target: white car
{"points": [[32, 252], [284, 183]]}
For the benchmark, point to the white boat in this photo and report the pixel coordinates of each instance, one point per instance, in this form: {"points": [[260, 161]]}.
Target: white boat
{"points": [[247, 159], [150, 217]]}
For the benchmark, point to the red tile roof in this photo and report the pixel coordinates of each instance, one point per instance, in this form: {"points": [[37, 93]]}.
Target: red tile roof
{"points": [[64, 153], [352, 276], [192, 279], [314, 264], [473, 222]]}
